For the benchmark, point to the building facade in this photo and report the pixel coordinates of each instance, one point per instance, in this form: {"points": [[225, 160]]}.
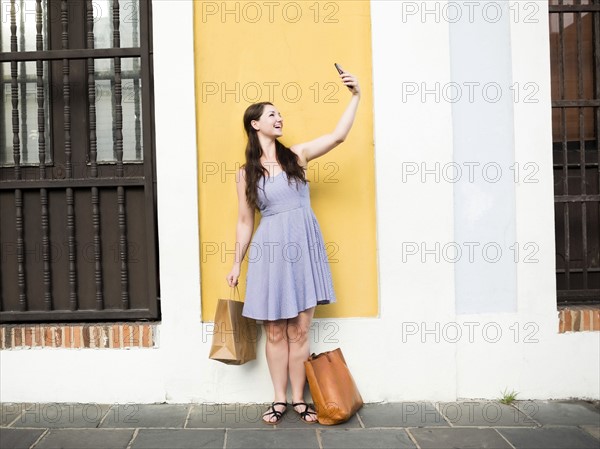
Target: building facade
{"points": [[470, 281]]}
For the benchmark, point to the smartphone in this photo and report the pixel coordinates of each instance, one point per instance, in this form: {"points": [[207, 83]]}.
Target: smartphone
{"points": [[340, 71]]}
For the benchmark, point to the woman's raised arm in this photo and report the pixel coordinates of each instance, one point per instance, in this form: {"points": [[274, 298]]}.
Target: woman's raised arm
{"points": [[313, 149]]}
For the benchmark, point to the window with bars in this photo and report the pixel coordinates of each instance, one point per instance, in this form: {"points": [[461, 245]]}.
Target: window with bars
{"points": [[77, 191], [575, 62]]}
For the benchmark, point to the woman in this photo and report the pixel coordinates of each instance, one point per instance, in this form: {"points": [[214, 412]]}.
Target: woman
{"points": [[288, 271]]}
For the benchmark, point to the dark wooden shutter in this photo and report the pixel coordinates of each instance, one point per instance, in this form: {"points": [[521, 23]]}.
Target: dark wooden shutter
{"points": [[77, 190], [575, 50]]}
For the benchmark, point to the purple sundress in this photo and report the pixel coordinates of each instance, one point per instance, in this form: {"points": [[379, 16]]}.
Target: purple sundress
{"points": [[288, 270]]}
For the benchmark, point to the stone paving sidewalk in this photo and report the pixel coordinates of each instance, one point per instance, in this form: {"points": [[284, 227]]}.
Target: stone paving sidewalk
{"points": [[465, 424]]}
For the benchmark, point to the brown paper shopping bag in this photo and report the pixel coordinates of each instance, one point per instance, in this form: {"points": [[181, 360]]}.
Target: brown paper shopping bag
{"points": [[234, 337], [332, 387]]}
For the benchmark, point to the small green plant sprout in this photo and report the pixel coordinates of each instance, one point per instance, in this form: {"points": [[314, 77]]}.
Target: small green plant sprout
{"points": [[508, 398]]}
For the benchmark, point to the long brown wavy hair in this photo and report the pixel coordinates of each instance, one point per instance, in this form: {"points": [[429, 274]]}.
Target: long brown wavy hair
{"points": [[253, 168]]}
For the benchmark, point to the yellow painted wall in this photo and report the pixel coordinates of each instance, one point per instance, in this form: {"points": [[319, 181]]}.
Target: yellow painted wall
{"points": [[284, 52]]}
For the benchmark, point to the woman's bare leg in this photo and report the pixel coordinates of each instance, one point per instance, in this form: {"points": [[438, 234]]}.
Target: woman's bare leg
{"points": [[299, 347], [277, 358]]}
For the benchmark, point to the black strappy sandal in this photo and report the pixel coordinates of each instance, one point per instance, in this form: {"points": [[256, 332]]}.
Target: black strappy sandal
{"points": [[305, 413], [277, 414]]}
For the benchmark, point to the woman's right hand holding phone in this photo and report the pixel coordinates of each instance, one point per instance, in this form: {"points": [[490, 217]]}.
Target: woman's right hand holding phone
{"points": [[349, 80]]}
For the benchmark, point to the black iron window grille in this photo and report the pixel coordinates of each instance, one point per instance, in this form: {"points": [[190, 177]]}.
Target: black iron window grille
{"points": [[77, 190], [575, 61]]}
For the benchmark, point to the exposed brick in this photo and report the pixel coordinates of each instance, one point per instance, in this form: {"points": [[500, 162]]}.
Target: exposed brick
{"points": [[58, 336], [586, 316], [38, 336], [6, 342], [105, 336], [85, 331], [127, 331], [102, 336], [3, 335], [596, 320], [8, 337], [95, 336], [116, 336], [583, 315], [146, 335], [135, 334], [76, 336], [576, 320], [568, 321], [48, 336], [29, 330], [88, 335], [574, 315], [561, 321], [136, 337], [152, 334], [579, 319], [67, 336], [110, 335], [98, 337]]}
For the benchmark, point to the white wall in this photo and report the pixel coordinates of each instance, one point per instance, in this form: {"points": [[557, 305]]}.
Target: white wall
{"points": [[393, 357]]}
